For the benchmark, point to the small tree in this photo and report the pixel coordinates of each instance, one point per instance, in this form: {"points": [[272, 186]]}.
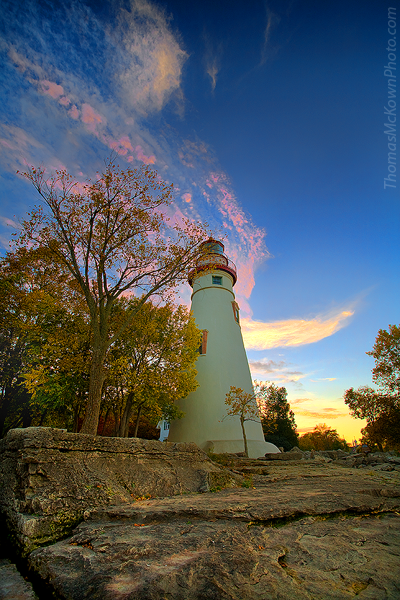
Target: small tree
{"points": [[322, 438], [386, 352], [277, 418], [381, 408], [111, 237], [244, 405]]}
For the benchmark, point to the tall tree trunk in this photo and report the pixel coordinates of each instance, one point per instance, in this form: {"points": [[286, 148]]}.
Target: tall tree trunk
{"points": [[91, 419], [246, 451], [139, 412], [126, 416]]}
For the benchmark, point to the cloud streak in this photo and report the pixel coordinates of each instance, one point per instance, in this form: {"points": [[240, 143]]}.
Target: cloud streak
{"points": [[278, 370], [273, 21], [321, 414], [258, 335]]}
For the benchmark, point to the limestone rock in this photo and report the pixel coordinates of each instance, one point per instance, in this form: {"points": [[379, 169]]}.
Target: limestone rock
{"points": [[228, 545], [50, 477], [12, 585]]}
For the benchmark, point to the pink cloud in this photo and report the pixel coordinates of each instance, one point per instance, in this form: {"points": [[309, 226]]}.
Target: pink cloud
{"points": [[64, 101], [125, 142], [91, 118], [187, 197], [74, 112], [52, 89], [185, 161], [122, 145], [245, 281], [7, 144], [147, 160]]}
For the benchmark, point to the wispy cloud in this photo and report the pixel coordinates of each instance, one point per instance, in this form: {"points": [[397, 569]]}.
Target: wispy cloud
{"points": [[259, 335], [150, 61], [212, 71], [9, 222], [212, 60], [272, 21], [278, 371], [320, 414], [316, 409]]}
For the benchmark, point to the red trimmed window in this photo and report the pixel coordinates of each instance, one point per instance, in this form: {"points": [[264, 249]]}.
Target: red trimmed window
{"points": [[235, 308]]}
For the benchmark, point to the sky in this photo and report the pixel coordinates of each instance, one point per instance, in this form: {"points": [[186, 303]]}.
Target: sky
{"points": [[269, 117]]}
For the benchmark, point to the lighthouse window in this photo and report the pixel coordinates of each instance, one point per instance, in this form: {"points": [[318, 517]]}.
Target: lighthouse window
{"points": [[217, 280], [235, 308], [203, 345]]}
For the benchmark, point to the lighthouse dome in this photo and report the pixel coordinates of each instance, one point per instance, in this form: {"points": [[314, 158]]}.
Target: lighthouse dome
{"points": [[212, 258]]}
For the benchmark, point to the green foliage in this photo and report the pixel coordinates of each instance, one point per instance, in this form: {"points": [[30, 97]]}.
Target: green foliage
{"points": [[386, 352], [151, 365], [322, 438], [381, 408], [33, 291], [384, 431], [248, 482], [278, 420]]}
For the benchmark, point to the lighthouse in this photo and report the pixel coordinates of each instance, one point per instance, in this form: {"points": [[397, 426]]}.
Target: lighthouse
{"points": [[222, 362]]}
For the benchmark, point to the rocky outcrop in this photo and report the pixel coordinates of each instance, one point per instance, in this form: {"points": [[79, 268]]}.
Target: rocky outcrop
{"points": [[50, 477], [307, 528], [323, 532]]}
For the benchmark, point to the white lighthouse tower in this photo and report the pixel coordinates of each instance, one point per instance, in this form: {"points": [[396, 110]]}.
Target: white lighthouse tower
{"points": [[222, 362]]}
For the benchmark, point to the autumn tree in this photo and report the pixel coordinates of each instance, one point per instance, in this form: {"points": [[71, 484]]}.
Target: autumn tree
{"points": [[112, 237], [277, 418], [386, 352], [322, 438], [16, 320], [244, 405], [56, 373], [381, 407], [32, 295], [151, 365]]}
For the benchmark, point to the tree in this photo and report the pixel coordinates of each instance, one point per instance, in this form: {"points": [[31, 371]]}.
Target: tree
{"points": [[152, 364], [244, 405], [111, 236], [381, 407], [29, 295], [278, 420], [322, 438], [57, 370], [384, 431], [386, 352]]}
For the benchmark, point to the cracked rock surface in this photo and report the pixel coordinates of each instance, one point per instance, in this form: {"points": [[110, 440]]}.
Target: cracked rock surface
{"points": [[306, 531]]}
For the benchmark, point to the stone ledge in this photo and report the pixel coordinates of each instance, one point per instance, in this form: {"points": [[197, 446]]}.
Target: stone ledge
{"points": [[50, 477]]}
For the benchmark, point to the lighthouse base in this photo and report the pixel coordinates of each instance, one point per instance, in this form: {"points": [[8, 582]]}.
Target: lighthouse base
{"points": [[256, 448]]}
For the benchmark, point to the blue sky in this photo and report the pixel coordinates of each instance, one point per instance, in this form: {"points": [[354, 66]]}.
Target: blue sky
{"points": [[268, 117]]}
